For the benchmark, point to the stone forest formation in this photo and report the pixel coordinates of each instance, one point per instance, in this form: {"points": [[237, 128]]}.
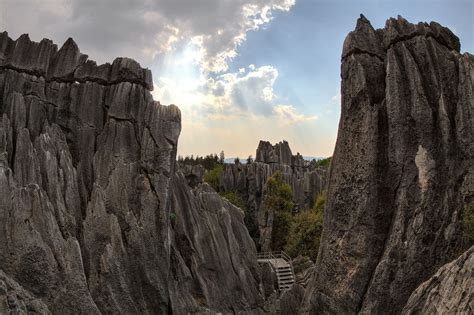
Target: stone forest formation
{"points": [[97, 215]]}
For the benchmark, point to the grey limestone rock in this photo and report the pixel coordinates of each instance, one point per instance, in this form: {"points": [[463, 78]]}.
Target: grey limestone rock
{"points": [[214, 262], [449, 291], [402, 169], [249, 180], [87, 186]]}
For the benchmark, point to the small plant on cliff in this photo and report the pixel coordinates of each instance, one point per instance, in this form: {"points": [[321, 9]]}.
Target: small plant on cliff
{"points": [[279, 199], [212, 177], [305, 232], [468, 226]]}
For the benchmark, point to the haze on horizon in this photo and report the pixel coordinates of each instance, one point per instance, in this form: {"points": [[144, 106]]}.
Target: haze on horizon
{"points": [[240, 71]]}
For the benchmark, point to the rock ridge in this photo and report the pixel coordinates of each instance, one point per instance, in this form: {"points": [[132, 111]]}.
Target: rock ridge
{"points": [[67, 64], [92, 206], [402, 172]]}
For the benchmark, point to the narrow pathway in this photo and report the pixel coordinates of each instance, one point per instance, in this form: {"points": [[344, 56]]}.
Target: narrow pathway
{"points": [[281, 264]]}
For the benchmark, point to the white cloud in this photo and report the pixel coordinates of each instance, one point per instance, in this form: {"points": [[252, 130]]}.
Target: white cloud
{"points": [[143, 29], [336, 99], [289, 115], [188, 44]]}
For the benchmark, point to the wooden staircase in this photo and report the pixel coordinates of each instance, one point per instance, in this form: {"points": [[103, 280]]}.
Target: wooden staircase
{"points": [[281, 264]]}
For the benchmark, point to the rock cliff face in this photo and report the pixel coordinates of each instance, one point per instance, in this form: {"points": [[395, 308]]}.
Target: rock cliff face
{"points": [[88, 186], [305, 179], [449, 291], [403, 167], [213, 259]]}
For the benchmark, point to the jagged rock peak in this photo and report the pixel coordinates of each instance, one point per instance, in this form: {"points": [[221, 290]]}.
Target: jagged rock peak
{"points": [[279, 153], [402, 173], [67, 64], [365, 39]]}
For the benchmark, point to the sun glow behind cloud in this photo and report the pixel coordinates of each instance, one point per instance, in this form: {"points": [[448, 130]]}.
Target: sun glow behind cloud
{"points": [[189, 45]]}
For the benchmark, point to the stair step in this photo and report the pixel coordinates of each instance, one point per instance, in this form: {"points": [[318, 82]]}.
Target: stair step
{"points": [[284, 274], [287, 281], [285, 278]]}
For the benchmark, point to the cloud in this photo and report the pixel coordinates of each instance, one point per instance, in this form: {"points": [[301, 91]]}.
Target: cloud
{"points": [[188, 45], [289, 115], [336, 99], [143, 29]]}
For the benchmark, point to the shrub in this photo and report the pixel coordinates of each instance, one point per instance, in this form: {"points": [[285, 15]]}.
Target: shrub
{"points": [[250, 219], [212, 177], [305, 232], [468, 226], [324, 162], [235, 198], [279, 199]]}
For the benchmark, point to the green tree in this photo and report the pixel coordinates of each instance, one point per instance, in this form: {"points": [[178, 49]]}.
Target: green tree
{"points": [[212, 177], [305, 232], [279, 199], [324, 162], [468, 226], [250, 219]]}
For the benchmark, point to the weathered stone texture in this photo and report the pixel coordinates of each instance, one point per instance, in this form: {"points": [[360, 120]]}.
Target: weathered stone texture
{"points": [[87, 169], [449, 291], [305, 179], [402, 170]]}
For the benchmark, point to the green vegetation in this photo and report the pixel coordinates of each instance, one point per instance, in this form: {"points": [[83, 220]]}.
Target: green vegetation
{"points": [[305, 232], [209, 161], [279, 198], [212, 177], [235, 198], [468, 226], [324, 162], [250, 219]]}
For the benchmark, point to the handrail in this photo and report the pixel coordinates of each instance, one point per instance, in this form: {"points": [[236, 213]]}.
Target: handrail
{"points": [[276, 255], [273, 255]]}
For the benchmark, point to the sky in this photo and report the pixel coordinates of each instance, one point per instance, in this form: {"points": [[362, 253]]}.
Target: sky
{"points": [[240, 70]]}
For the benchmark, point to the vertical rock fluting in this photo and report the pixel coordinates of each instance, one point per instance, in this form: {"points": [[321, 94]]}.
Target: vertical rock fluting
{"points": [[305, 179], [402, 170], [87, 184], [87, 157], [213, 259]]}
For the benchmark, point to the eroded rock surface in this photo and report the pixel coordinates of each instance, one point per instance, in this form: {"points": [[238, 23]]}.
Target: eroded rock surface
{"points": [[87, 185], [403, 167], [449, 291], [305, 179], [213, 259]]}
